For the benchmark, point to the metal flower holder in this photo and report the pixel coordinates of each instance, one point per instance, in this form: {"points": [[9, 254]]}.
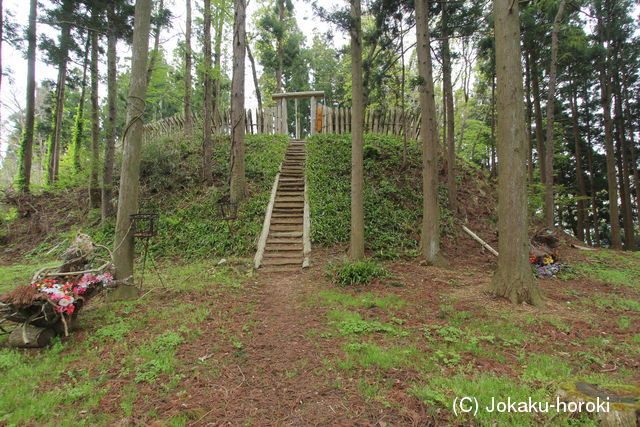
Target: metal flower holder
{"points": [[144, 226], [228, 211]]}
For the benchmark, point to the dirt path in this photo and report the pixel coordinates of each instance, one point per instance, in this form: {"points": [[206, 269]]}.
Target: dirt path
{"points": [[281, 375]]}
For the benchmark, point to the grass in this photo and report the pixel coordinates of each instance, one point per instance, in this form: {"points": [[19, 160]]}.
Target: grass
{"points": [[132, 343], [19, 274], [190, 225], [392, 206], [611, 267], [360, 272]]}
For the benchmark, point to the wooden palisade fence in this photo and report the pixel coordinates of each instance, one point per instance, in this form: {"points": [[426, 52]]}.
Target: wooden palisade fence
{"points": [[329, 120]]}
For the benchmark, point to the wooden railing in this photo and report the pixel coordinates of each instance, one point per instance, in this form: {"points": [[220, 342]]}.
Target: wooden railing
{"points": [[329, 120]]}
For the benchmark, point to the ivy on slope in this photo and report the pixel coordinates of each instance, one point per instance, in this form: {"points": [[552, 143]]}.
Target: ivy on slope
{"points": [[392, 197]]}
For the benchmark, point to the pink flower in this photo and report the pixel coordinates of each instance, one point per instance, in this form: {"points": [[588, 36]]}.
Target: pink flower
{"points": [[65, 301]]}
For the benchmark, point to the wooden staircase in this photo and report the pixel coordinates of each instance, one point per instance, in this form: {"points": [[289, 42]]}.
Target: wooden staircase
{"points": [[284, 250]]}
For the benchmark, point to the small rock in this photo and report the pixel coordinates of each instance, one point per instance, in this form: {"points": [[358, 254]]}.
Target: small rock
{"points": [[222, 261]]}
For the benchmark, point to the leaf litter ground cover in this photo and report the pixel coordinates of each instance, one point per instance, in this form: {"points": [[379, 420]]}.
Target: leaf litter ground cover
{"points": [[218, 344]]}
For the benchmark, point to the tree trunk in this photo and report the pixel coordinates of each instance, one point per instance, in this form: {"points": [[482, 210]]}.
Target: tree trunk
{"points": [[403, 79], [356, 249], [632, 145], [207, 143], [255, 77], [493, 164], [582, 218], [623, 171], [188, 121], [535, 83], [130, 175], [94, 190], [592, 187], [217, 68], [110, 128], [26, 145], [448, 95], [79, 119], [156, 44], [238, 184], [528, 116], [551, 97], [280, 49], [54, 140], [430, 234], [513, 278], [605, 93]]}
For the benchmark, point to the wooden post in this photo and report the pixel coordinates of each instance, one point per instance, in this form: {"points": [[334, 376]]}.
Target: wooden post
{"points": [[314, 107], [297, 119], [285, 117]]}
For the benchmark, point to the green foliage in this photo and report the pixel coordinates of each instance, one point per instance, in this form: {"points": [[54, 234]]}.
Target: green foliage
{"points": [[392, 197], [19, 274], [370, 355], [349, 322], [611, 267], [365, 300], [190, 225], [351, 273]]}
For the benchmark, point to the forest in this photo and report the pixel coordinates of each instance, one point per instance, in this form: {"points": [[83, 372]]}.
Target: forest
{"points": [[406, 212]]}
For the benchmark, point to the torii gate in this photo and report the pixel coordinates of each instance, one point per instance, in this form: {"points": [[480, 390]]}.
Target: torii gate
{"points": [[281, 110]]}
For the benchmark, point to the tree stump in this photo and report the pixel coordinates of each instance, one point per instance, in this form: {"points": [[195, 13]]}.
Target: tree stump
{"points": [[624, 401], [29, 336]]}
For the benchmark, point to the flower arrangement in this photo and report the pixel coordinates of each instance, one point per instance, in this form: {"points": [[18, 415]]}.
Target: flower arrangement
{"points": [[64, 294]]}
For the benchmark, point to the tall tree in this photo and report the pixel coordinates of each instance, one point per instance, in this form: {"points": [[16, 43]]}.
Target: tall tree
{"points": [[430, 237], [605, 75], [551, 96], [61, 55], [238, 184], [279, 34], [188, 122], [623, 167], [582, 217], [449, 108], [207, 143], [78, 128], [254, 74], [130, 172], [539, 134], [110, 128], [156, 40], [94, 189], [118, 26], [513, 278], [26, 145], [356, 250]]}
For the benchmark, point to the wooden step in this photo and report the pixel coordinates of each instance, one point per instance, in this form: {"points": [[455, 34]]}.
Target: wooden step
{"points": [[285, 205], [290, 221], [281, 270], [295, 256], [289, 199], [284, 247], [282, 261], [285, 227], [284, 234], [283, 241], [286, 192], [285, 215]]}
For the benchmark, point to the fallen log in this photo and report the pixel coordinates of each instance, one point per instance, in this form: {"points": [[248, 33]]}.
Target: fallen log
{"points": [[29, 336]]}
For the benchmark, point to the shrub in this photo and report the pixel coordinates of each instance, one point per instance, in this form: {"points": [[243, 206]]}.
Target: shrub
{"points": [[351, 273]]}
